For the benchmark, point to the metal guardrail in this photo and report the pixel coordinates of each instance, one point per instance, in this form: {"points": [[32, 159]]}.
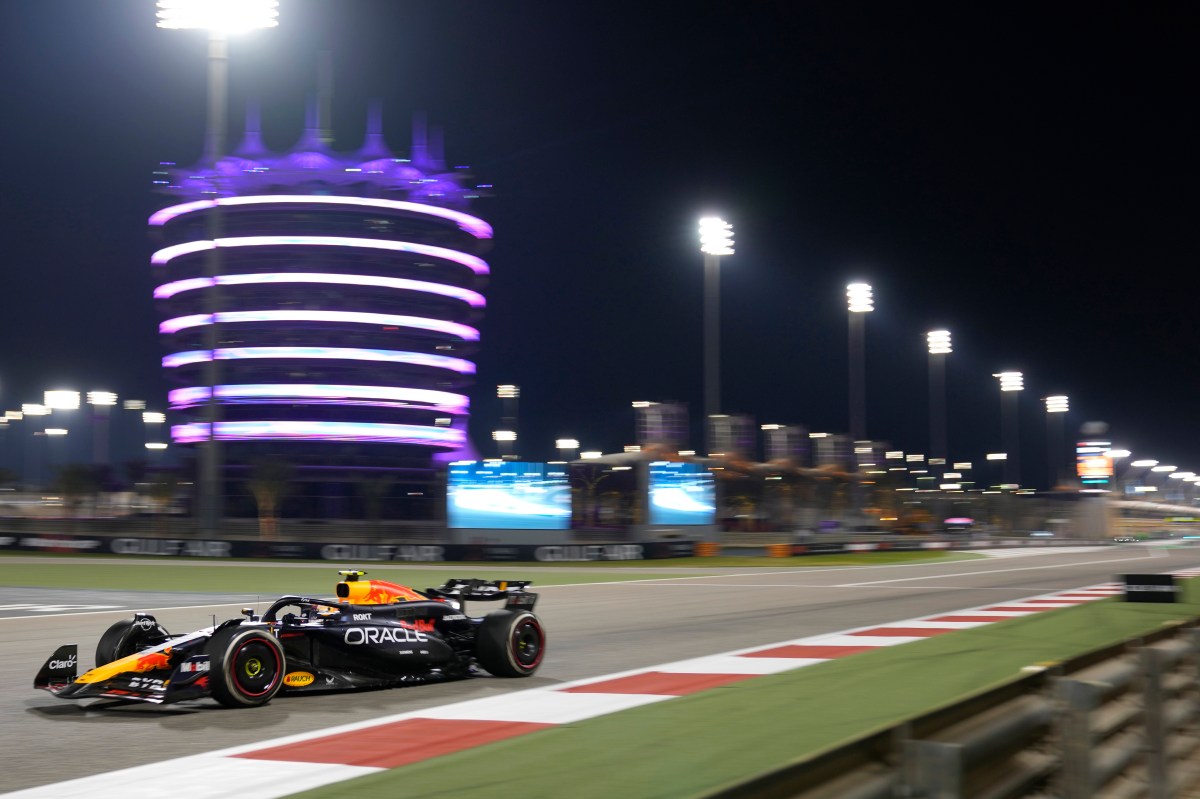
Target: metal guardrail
{"points": [[1118, 723]]}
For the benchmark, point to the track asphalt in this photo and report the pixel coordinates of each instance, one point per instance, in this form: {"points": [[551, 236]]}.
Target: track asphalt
{"points": [[538, 742]]}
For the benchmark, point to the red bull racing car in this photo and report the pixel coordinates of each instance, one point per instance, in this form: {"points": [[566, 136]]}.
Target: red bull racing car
{"points": [[374, 634]]}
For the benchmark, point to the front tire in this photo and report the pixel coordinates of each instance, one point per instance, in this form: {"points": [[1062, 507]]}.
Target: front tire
{"points": [[247, 666], [127, 637], [510, 643]]}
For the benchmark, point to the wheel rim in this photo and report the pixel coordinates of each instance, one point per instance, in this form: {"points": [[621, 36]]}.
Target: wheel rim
{"points": [[527, 644], [255, 667]]}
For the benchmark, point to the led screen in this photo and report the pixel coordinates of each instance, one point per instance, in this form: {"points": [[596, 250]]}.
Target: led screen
{"points": [[1094, 464], [508, 495], [681, 493]]}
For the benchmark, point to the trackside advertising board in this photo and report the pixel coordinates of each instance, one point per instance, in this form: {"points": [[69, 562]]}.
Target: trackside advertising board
{"points": [[341, 551]]}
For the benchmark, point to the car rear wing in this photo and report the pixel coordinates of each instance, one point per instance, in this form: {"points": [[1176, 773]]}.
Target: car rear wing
{"points": [[512, 591]]}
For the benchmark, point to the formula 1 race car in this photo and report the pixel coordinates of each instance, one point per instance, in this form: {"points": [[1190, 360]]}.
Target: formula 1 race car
{"points": [[375, 634]]}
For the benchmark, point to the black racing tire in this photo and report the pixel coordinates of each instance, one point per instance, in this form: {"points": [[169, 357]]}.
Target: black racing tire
{"points": [[510, 643], [125, 638], [246, 668]]}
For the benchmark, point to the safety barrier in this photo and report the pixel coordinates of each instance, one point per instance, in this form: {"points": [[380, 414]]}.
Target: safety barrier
{"points": [[1116, 723]]}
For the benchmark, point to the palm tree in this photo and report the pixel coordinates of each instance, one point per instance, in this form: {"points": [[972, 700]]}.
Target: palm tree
{"points": [[373, 491], [7, 477], [75, 481], [269, 482], [162, 489]]}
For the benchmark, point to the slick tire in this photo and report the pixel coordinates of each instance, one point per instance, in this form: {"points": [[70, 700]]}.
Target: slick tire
{"points": [[510, 643], [246, 666], [125, 638]]}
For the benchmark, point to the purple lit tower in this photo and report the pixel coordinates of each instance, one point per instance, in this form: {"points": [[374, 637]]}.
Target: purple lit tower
{"points": [[347, 302]]}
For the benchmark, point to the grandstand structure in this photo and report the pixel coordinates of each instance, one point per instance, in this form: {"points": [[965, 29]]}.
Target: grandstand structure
{"points": [[335, 326]]}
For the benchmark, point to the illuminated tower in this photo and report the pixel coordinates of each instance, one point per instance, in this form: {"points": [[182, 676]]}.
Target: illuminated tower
{"points": [[345, 305]]}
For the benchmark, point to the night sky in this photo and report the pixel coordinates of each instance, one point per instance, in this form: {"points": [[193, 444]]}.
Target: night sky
{"points": [[1023, 177]]}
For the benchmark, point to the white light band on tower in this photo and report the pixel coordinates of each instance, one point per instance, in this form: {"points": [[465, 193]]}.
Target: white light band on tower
{"points": [[368, 432], [344, 317], [472, 298], [316, 394], [167, 254], [471, 224], [322, 353]]}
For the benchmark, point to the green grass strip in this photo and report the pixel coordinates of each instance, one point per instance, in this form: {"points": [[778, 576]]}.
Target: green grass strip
{"points": [[269, 580], [311, 578], [686, 747]]}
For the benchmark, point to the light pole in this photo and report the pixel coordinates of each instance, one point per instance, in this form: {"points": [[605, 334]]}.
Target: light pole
{"points": [[1056, 407], [220, 18], [1011, 384], [1162, 469], [1179, 491], [939, 347], [509, 394], [1191, 490], [1141, 465], [101, 402], [859, 301], [30, 410], [716, 239], [150, 420], [505, 439], [566, 448], [66, 403]]}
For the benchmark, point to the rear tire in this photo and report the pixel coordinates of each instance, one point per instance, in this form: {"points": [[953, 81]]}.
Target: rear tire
{"points": [[125, 638], [247, 666], [510, 643]]}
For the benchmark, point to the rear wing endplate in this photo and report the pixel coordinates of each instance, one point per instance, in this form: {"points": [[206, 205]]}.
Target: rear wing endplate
{"points": [[512, 591]]}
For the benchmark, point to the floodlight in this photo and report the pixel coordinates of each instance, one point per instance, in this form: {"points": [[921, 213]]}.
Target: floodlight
{"points": [[716, 236], [61, 400], [1010, 381], [859, 298], [1057, 404], [939, 342], [222, 16]]}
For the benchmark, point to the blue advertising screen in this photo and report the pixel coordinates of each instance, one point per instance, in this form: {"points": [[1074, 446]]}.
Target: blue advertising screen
{"points": [[509, 495], [681, 493]]}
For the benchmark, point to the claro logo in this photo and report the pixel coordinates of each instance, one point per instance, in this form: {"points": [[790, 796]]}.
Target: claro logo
{"points": [[69, 663], [298, 679]]}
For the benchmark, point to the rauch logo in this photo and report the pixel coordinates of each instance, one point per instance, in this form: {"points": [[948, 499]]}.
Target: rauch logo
{"points": [[298, 679]]}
